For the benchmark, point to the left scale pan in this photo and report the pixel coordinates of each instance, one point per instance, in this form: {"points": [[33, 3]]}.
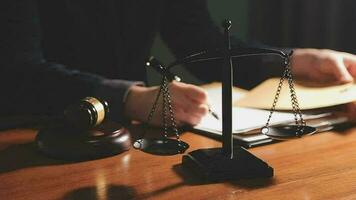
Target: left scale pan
{"points": [[163, 146]]}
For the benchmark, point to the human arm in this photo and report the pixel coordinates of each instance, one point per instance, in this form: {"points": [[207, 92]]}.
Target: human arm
{"points": [[30, 84], [324, 66], [33, 85], [189, 103]]}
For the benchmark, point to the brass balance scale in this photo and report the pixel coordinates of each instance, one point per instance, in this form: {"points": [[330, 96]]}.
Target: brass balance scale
{"points": [[229, 161]]}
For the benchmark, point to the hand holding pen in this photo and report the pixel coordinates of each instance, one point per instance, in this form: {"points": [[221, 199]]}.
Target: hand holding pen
{"points": [[156, 65]]}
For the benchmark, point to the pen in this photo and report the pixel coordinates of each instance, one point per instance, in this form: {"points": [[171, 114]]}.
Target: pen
{"points": [[156, 65], [214, 114]]}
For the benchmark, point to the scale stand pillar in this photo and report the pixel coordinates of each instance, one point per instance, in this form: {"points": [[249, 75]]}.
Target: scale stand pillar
{"points": [[227, 84], [229, 162]]}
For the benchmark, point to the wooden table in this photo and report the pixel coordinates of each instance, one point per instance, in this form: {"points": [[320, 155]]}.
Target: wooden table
{"points": [[322, 166]]}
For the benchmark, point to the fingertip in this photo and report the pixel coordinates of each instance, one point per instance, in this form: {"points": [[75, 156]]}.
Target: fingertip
{"points": [[352, 71], [202, 95], [346, 79], [190, 119], [206, 109], [195, 120], [197, 93], [344, 76]]}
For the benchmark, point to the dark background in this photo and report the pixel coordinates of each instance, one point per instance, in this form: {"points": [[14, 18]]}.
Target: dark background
{"points": [[304, 23], [283, 23]]}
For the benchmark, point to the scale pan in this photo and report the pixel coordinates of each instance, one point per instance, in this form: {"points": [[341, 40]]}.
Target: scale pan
{"points": [[163, 146], [287, 132]]}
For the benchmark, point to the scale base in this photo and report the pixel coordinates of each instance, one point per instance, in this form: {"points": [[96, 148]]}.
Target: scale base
{"points": [[212, 165]]}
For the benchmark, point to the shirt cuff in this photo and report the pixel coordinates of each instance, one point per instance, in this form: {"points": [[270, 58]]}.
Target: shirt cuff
{"points": [[115, 93]]}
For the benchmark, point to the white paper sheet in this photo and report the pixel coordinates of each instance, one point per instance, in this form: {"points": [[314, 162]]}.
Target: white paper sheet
{"points": [[245, 119]]}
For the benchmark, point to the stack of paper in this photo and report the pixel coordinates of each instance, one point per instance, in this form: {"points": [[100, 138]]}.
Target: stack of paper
{"points": [[309, 97], [247, 119], [251, 108]]}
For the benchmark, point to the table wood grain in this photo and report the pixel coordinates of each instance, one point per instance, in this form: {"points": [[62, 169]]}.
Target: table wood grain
{"points": [[321, 166]]}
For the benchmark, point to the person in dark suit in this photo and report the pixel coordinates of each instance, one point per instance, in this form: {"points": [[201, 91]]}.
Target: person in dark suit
{"points": [[53, 53]]}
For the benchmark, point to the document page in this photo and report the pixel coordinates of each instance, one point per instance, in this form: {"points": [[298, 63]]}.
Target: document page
{"points": [[309, 97], [245, 119]]}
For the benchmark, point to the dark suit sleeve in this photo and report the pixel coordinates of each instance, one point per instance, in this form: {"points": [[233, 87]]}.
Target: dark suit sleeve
{"points": [[187, 27], [31, 85]]}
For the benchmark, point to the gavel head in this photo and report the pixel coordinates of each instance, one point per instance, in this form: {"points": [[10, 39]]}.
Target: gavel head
{"points": [[87, 113], [75, 137]]}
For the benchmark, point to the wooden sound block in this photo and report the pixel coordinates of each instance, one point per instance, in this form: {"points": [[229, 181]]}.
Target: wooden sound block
{"points": [[72, 144]]}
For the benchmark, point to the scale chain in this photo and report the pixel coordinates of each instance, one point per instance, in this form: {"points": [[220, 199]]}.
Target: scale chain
{"points": [[298, 118], [168, 115], [173, 123], [153, 109], [165, 108]]}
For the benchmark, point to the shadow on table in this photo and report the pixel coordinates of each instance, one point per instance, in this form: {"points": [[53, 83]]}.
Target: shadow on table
{"points": [[21, 156], [116, 192], [111, 192], [190, 179]]}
